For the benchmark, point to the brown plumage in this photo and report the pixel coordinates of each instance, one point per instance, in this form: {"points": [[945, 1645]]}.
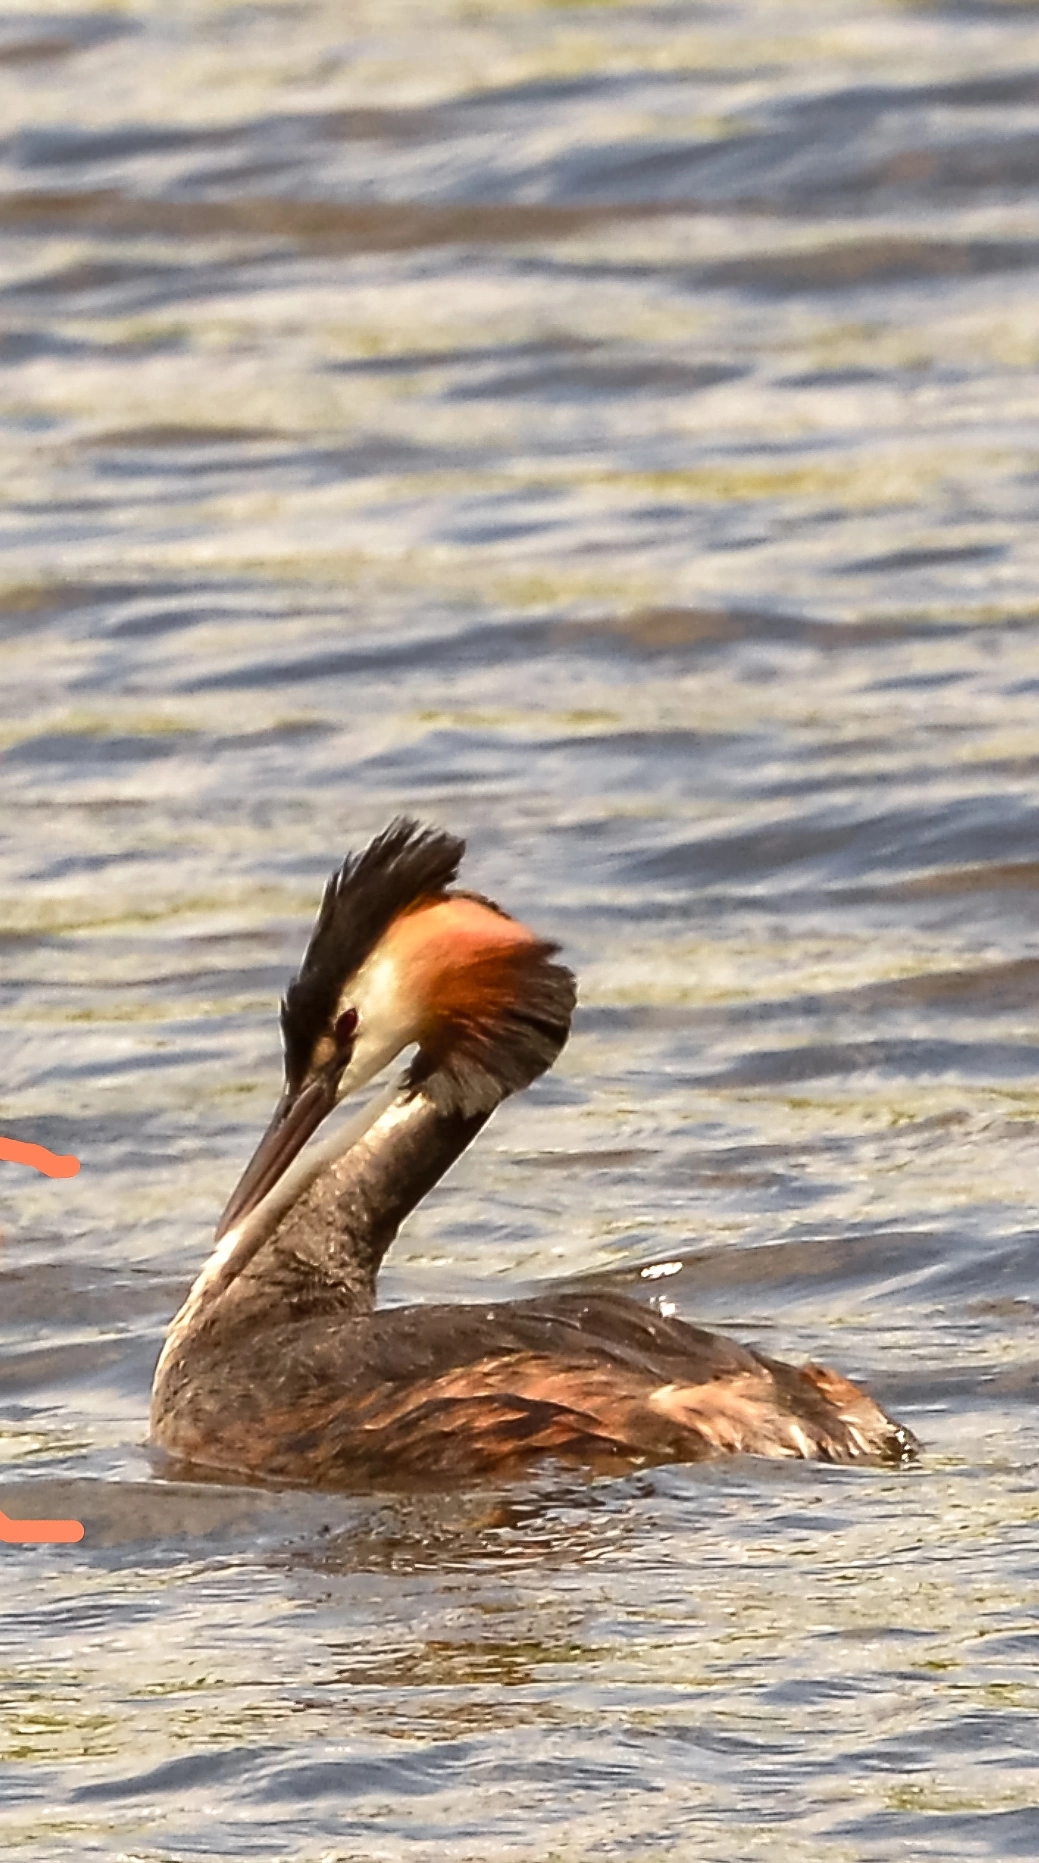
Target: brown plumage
{"points": [[280, 1366]]}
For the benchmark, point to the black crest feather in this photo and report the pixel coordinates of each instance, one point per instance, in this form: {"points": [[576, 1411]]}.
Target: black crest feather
{"points": [[404, 863]]}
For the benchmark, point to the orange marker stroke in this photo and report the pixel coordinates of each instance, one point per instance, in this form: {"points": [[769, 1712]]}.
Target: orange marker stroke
{"points": [[38, 1532], [17, 1151]]}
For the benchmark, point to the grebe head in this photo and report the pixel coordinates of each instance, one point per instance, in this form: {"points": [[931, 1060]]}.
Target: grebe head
{"points": [[396, 960]]}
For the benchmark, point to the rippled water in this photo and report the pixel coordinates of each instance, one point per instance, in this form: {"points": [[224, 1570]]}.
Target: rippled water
{"points": [[610, 432]]}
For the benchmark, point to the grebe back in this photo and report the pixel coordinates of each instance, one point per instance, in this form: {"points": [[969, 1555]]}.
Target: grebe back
{"points": [[279, 1365]]}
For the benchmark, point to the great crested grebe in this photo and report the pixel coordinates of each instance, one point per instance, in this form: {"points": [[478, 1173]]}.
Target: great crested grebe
{"points": [[279, 1365]]}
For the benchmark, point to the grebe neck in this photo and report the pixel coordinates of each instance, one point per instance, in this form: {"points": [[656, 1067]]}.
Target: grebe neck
{"points": [[320, 1249]]}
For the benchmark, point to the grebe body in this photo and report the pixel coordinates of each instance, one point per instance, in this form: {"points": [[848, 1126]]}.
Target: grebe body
{"points": [[279, 1365]]}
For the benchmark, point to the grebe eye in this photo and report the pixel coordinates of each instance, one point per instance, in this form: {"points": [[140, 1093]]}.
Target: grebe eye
{"points": [[345, 1028]]}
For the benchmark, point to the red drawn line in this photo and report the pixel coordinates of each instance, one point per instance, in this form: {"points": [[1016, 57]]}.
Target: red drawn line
{"points": [[39, 1532], [16, 1151]]}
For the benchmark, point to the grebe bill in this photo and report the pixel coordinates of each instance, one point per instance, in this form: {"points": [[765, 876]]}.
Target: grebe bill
{"points": [[279, 1366]]}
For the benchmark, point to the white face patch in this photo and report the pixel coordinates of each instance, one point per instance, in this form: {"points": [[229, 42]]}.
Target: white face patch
{"points": [[388, 1019]]}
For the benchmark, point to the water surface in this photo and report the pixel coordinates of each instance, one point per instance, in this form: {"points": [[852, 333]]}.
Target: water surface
{"points": [[610, 432]]}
